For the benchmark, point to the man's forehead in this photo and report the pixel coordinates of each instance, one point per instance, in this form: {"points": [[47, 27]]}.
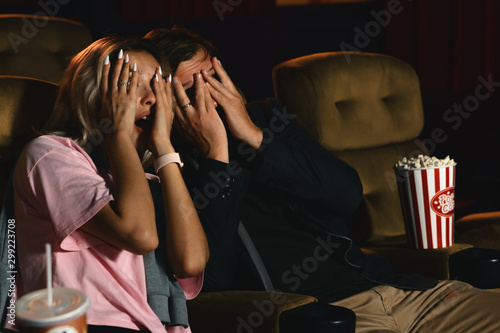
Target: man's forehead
{"points": [[194, 65], [188, 68]]}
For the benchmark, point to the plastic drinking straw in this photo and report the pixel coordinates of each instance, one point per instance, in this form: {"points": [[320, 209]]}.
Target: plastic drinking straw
{"points": [[49, 273]]}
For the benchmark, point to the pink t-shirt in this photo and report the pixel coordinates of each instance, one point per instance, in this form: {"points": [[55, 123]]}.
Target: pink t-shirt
{"points": [[58, 189]]}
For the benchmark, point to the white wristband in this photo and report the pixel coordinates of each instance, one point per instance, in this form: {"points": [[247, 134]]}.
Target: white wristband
{"points": [[165, 159]]}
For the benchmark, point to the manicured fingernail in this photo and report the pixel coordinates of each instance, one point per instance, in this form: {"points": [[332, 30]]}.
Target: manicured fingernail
{"points": [[126, 58], [205, 72], [156, 75], [220, 64], [159, 70], [175, 79], [135, 66], [106, 60], [120, 55], [198, 76], [170, 78]]}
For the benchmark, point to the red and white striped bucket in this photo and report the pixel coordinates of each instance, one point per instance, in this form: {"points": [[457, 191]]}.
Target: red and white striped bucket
{"points": [[428, 202]]}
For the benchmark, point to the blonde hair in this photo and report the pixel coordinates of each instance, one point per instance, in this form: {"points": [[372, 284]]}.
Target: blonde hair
{"points": [[79, 99]]}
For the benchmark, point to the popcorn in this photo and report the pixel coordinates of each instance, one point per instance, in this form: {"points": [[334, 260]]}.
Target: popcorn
{"points": [[427, 191], [423, 161]]}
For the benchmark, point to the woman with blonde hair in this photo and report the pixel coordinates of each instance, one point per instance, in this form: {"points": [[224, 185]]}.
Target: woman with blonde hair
{"points": [[83, 189]]}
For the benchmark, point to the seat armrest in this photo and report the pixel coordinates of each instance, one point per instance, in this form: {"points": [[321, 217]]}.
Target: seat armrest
{"points": [[479, 267], [476, 220], [241, 311], [482, 230], [431, 263], [318, 317]]}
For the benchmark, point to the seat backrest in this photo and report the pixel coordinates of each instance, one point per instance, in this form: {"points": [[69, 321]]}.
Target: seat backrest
{"points": [[39, 47], [25, 105], [367, 109]]}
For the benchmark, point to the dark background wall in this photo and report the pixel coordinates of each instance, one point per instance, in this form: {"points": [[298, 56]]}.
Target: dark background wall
{"points": [[453, 45]]}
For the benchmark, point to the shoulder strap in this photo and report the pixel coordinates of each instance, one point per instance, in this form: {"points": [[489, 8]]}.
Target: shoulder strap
{"points": [[255, 257]]}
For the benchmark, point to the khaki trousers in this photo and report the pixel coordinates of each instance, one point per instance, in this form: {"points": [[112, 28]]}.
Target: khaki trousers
{"points": [[450, 307]]}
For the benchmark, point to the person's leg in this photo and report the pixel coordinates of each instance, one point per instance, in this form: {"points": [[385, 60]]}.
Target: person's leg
{"points": [[451, 306], [455, 306], [371, 315]]}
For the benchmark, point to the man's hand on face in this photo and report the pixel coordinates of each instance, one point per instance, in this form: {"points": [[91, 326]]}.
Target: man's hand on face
{"points": [[198, 122], [227, 96]]}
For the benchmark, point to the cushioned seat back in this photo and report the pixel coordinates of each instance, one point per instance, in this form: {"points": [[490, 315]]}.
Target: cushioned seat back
{"points": [[25, 104], [366, 109], [39, 47]]}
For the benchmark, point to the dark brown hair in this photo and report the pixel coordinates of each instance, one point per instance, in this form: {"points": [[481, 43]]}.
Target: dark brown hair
{"points": [[180, 44]]}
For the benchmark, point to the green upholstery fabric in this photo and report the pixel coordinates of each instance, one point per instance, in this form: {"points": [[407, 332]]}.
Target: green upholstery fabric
{"points": [[380, 218], [370, 102], [241, 311], [39, 47], [481, 230], [368, 112], [431, 262]]}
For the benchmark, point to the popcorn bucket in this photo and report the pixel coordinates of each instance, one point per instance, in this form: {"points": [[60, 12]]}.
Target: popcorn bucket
{"points": [[428, 202]]}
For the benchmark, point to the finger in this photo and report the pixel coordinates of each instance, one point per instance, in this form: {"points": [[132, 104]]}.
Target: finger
{"points": [[181, 116], [223, 76], [215, 93], [116, 71], [105, 75], [125, 73], [178, 113], [199, 91], [168, 93], [159, 91], [158, 88], [179, 93], [163, 94], [134, 79], [177, 89], [168, 89], [209, 104], [214, 82], [222, 97]]}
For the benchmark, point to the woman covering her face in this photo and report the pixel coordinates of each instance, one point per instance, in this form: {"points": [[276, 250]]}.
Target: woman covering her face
{"points": [[83, 189]]}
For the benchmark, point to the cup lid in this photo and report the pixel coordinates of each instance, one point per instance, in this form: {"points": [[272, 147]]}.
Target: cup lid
{"points": [[33, 310]]}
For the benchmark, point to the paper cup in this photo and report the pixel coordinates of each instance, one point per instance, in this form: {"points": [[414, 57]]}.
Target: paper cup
{"points": [[428, 202], [66, 315]]}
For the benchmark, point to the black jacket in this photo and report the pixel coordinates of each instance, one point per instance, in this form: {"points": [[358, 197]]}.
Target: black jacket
{"points": [[318, 187]]}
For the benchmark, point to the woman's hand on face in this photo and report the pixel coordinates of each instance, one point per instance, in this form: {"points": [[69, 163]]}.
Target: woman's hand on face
{"points": [[200, 124], [119, 93], [163, 116], [228, 97]]}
